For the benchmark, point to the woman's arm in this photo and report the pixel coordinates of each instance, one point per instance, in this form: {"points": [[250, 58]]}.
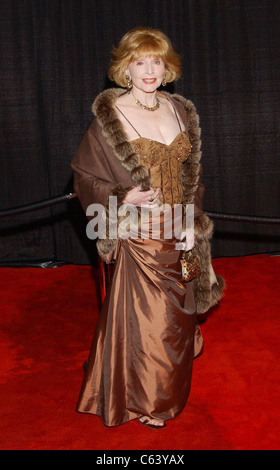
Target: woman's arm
{"points": [[93, 179]]}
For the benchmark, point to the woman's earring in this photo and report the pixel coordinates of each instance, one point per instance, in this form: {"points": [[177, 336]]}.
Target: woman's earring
{"points": [[128, 82], [164, 80]]}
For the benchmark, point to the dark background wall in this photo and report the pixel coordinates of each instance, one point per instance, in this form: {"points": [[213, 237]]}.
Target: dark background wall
{"points": [[54, 59]]}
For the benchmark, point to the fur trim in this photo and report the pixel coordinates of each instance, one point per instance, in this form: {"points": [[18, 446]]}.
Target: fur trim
{"points": [[106, 247], [113, 132], [203, 227], [206, 294], [121, 193]]}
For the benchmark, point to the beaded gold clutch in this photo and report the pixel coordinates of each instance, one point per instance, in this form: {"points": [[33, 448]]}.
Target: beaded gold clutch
{"points": [[190, 266]]}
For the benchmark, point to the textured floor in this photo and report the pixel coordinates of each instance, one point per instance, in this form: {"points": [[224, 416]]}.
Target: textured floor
{"points": [[47, 322]]}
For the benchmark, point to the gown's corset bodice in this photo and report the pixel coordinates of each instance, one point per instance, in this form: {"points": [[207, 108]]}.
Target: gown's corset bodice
{"points": [[164, 163]]}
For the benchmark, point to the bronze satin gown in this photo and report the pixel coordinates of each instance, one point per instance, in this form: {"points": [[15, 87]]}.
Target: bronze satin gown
{"points": [[142, 352]]}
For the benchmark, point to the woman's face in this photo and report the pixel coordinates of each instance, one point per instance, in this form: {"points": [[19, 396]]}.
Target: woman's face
{"points": [[147, 73]]}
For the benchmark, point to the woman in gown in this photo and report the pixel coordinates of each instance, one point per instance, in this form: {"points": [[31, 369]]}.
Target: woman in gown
{"points": [[143, 147]]}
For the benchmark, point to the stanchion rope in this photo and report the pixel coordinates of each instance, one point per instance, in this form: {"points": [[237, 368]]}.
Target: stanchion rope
{"points": [[66, 197], [36, 205]]}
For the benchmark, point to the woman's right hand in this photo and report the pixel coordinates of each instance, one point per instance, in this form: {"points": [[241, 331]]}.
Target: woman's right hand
{"points": [[137, 197]]}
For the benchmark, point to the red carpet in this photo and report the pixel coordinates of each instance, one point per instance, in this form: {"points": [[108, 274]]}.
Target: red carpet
{"points": [[47, 322]]}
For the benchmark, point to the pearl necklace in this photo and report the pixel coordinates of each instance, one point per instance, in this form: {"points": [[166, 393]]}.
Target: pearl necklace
{"points": [[153, 108]]}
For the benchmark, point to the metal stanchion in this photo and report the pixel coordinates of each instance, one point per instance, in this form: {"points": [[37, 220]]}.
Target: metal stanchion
{"points": [[244, 218], [66, 197], [36, 205]]}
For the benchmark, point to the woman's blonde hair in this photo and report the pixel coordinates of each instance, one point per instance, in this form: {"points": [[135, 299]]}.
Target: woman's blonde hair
{"points": [[143, 42]]}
